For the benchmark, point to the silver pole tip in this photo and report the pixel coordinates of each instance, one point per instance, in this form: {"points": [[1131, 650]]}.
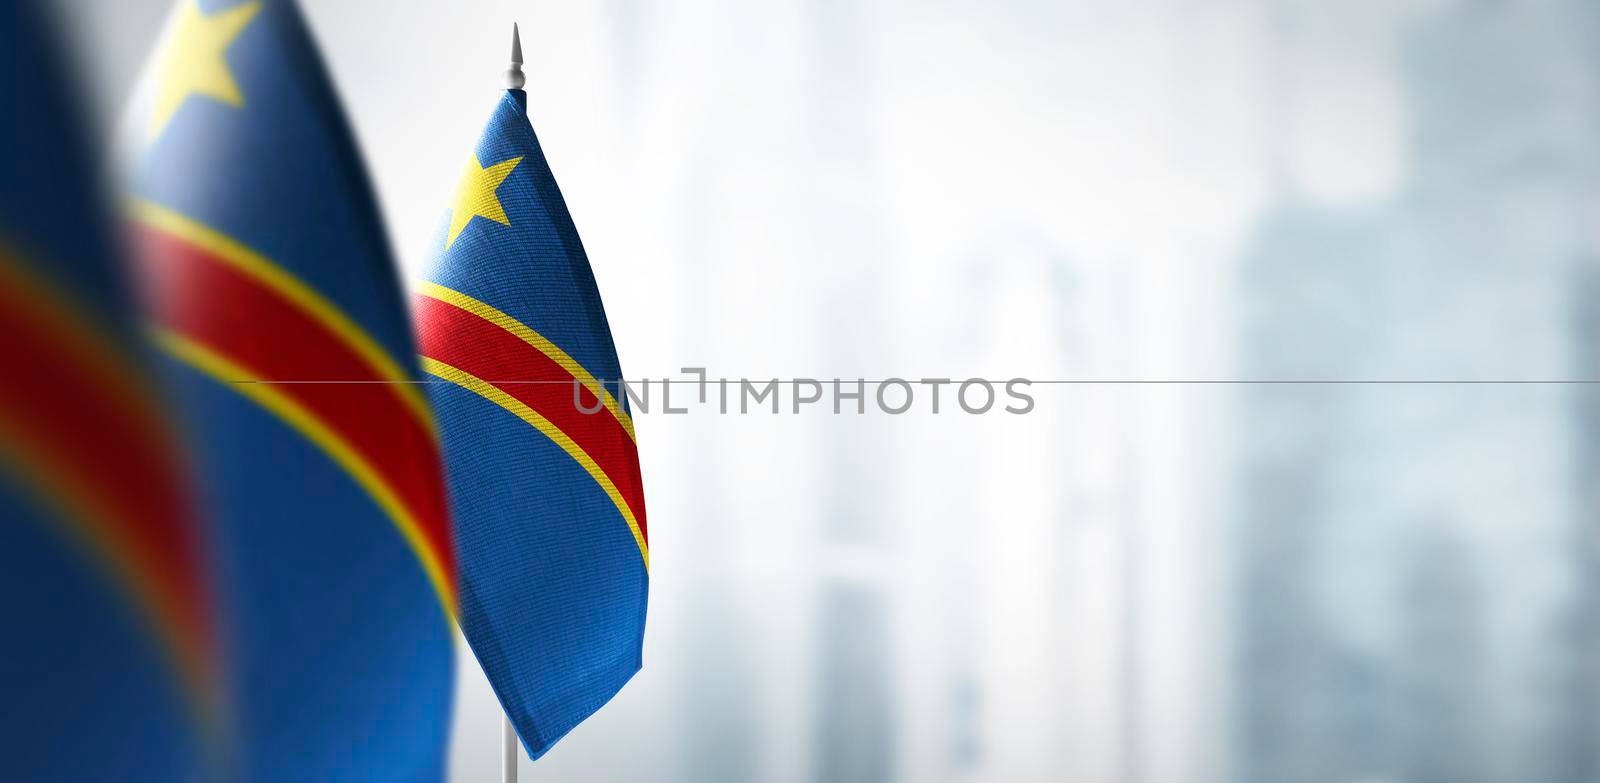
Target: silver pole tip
{"points": [[514, 77]]}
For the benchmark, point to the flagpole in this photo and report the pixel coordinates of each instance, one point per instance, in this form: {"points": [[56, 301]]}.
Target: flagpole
{"points": [[514, 80], [508, 750], [514, 77]]}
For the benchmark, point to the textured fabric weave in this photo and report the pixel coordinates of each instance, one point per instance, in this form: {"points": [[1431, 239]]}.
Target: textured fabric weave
{"points": [[547, 499]]}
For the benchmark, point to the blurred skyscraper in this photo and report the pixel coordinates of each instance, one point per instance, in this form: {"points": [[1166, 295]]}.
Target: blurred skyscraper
{"points": [[1408, 604]]}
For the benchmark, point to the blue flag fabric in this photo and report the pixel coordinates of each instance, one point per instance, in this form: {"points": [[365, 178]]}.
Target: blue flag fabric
{"points": [[541, 463], [109, 668], [272, 291]]}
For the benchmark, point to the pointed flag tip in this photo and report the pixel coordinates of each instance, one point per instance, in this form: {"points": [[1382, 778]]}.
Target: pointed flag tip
{"points": [[514, 77]]}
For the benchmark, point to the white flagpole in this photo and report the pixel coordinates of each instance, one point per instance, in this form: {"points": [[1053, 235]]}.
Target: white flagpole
{"points": [[514, 78], [508, 733], [508, 750]]}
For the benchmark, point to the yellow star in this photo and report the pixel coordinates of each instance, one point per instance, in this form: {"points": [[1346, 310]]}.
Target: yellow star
{"points": [[475, 196], [194, 62]]}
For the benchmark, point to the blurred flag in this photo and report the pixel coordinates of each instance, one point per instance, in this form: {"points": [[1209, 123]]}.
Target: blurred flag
{"points": [[109, 666], [271, 288], [547, 502]]}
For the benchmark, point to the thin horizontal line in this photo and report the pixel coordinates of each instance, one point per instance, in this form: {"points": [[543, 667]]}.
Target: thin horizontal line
{"points": [[1003, 381]]}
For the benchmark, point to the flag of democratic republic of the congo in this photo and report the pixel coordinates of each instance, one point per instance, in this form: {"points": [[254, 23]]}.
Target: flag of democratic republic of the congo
{"points": [[548, 508], [269, 285], [108, 668]]}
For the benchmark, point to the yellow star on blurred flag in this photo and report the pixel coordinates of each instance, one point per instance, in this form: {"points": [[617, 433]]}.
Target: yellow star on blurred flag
{"points": [[475, 196], [194, 61]]}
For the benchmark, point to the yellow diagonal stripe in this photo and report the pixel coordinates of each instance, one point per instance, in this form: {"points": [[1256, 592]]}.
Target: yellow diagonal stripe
{"points": [[323, 437], [87, 521], [80, 504], [81, 328], [275, 277], [490, 313], [495, 395]]}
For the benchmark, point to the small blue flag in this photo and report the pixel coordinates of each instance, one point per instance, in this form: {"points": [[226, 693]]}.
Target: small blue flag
{"points": [[109, 669], [540, 456], [272, 290]]}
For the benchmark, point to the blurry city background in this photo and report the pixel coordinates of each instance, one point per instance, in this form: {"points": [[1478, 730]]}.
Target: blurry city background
{"points": [[1273, 582]]}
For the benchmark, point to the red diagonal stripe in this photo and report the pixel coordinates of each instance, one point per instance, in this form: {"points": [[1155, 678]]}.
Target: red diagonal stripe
{"points": [[465, 341], [81, 419], [210, 301]]}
